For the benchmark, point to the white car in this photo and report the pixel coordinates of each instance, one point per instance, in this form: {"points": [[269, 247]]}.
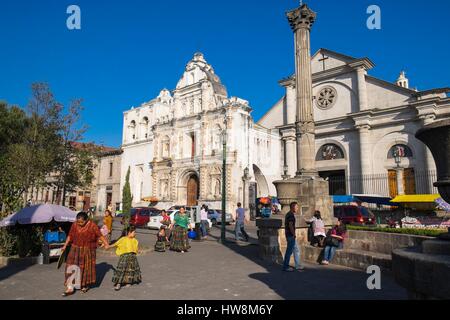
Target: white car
{"points": [[155, 222]]}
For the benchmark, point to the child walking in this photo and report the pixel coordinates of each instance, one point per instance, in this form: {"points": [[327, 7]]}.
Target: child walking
{"points": [[127, 271], [161, 240]]}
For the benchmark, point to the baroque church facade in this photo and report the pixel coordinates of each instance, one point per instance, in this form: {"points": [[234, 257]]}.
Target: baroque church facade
{"points": [[173, 143]]}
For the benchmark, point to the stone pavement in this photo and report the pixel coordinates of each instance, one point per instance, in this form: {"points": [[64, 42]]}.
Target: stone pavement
{"points": [[209, 270]]}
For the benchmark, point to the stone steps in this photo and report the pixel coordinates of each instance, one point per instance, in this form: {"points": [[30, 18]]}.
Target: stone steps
{"points": [[357, 259]]}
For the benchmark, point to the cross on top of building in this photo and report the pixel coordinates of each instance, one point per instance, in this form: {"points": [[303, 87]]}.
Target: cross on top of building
{"points": [[323, 60]]}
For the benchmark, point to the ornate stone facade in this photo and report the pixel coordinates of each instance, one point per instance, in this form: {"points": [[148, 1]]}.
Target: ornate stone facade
{"points": [[177, 140]]}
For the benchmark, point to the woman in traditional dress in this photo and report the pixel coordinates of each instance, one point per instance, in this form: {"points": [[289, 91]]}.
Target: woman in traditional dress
{"points": [[161, 239], [108, 222], [127, 271], [83, 239], [180, 242]]}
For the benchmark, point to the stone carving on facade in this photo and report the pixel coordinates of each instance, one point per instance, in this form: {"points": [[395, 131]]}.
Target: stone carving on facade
{"points": [[326, 98], [217, 187], [400, 150], [164, 189], [305, 127], [331, 152], [302, 17]]}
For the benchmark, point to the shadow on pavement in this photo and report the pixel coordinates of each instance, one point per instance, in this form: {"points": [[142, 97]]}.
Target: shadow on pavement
{"points": [[102, 269], [319, 282], [11, 270]]}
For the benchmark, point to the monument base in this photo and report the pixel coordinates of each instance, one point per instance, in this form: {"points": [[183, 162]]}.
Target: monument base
{"points": [[311, 193]]}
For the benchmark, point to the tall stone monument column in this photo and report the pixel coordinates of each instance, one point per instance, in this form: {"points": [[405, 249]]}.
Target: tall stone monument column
{"points": [[306, 187], [301, 21]]}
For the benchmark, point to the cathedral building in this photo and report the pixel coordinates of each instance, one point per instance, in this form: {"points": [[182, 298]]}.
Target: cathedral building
{"points": [[174, 145], [365, 127]]}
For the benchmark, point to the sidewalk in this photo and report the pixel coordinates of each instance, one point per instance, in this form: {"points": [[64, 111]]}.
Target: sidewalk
{"points": [[210, 270]]}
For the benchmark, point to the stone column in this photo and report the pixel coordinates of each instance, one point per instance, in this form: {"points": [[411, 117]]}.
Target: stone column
{"points": [[365, 155], [429, 164], [291, 155], [301, 21], [400, 188], [429, 160], [362, 89]]}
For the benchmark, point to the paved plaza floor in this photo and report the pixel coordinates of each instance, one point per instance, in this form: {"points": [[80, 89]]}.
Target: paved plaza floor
{"points": [[209, 271]]}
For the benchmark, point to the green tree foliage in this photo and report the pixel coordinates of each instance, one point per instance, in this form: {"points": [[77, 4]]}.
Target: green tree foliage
{"points": [[40, 147], [127, 198]]}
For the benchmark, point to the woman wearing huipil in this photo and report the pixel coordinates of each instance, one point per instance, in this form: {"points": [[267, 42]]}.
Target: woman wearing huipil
{"points": [[83, 239]]}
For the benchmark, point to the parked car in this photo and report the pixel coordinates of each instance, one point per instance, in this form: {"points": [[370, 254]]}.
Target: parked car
{"points": [[141, 216], [216, 216], [355, 215], [155, 221]]}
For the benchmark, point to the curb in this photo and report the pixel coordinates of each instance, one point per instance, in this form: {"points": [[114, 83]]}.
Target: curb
{"points": [[16, 261]]}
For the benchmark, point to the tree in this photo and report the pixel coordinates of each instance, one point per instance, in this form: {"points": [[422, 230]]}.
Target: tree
{"points": [[41, 147], [13, 122], [74, 162], [42, 139], [127, 198]]}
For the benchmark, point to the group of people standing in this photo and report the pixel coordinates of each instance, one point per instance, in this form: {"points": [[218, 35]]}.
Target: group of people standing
{"points": [[331, 241]]}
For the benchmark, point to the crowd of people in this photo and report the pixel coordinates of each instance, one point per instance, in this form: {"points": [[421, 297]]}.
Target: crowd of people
{"points": [[85, 237]]}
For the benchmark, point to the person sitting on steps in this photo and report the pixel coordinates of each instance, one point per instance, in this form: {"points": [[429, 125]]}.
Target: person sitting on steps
{"points": [[334, 241]]}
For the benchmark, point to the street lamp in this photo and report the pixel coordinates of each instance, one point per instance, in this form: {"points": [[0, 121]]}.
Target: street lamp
{"points": [[400, 174], [224, 177]]}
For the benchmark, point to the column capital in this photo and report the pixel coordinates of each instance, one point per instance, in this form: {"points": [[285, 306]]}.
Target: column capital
{"points": [[301, 18], [305, 127], [427, 118], [363, 127]]}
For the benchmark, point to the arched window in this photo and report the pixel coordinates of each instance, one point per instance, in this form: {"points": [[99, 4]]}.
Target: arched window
{"points": [[401, 150], [132, 128], [330, 151], [144, 127]]}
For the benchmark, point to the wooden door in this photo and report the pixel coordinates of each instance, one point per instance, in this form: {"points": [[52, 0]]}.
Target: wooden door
{"points": [[86, 204], [392, 180], [192, 191], [409, 181]]}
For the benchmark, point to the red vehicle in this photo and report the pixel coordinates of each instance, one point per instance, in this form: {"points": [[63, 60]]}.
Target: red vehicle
{"points": [[354, 215], [141, 216]]}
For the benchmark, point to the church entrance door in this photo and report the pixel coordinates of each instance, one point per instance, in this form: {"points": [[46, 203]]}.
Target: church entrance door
{"points": [[409, 182], [193, 190]]}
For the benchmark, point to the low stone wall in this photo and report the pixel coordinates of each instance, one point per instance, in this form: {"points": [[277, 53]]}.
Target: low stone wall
{"points": [[381, 242], [425, 276], [361, 249]]}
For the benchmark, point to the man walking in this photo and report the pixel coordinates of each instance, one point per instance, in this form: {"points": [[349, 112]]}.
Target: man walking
{"points": [[240, 223], [292, 246]]}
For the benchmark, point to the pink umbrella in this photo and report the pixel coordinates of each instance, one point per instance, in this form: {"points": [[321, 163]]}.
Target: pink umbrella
{"points": [[8, 221], [43, 213]]}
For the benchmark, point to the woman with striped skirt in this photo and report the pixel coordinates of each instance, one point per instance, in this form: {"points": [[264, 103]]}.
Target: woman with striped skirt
{"points": [[81, 260], [179, 241]]}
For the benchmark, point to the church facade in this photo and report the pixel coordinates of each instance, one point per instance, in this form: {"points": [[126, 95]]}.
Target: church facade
{"points": [[365, 131], [365, 127], [173, 145]]}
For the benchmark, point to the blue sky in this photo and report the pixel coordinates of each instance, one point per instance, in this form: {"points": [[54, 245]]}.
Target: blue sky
{"points": [[127, 51]]}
